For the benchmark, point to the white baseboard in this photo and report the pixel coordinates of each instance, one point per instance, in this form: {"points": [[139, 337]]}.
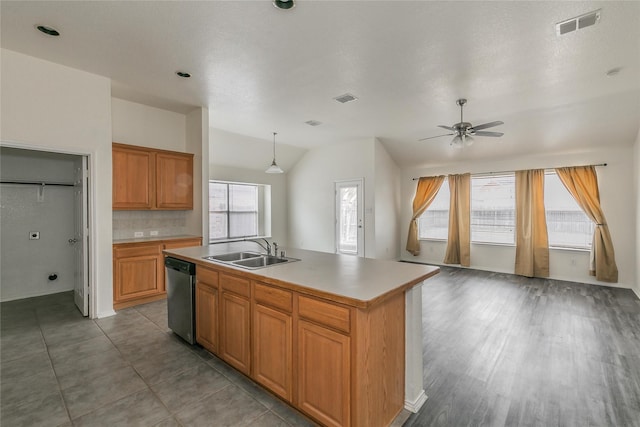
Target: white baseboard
{"points": [[104, 314], [415, 405]]}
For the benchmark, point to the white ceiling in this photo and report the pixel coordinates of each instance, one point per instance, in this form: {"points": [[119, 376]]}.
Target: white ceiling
{"points": [[259, 69]]}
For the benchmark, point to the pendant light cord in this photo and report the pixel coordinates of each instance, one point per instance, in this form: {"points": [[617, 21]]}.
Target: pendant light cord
{"points": [[274, 146]]}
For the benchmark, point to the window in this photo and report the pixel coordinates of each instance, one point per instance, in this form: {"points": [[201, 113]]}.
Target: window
{"points": [[237, 210], [567, 225], [493, 209], [434, 222]]}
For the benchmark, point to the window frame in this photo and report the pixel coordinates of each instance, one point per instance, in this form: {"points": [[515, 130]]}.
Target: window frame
{"points": [[475, 242], [565, 247], [263, 225]]}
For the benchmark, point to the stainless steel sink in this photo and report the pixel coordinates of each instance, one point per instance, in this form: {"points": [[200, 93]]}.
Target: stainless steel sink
{"points": [[233, 256], [263, 261], [249, 260]]}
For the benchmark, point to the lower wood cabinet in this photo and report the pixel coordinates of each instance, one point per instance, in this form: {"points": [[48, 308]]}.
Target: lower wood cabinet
{"points": [[324, 372], [235, 320], [207, 310], [272, 350], [138, 270]]}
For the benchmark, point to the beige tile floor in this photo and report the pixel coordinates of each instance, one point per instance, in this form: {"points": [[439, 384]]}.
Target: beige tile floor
{"points": [[60, 369]]}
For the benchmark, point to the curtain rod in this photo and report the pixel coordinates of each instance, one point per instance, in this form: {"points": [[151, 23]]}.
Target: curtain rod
{"points": [[61, 184], [501, 172]]}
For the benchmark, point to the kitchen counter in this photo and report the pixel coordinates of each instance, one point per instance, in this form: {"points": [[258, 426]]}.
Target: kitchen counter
{"points": [[359, 282], [153, 239]]}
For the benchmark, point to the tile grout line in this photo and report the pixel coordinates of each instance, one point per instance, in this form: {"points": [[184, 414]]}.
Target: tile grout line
{"points": [[60, 394]]}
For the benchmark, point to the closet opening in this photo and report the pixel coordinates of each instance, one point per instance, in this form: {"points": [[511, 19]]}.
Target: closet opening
{"points": [[44, 226]]}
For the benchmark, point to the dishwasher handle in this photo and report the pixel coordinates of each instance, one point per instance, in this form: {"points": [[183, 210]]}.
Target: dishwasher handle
{"points": [[184, 267]]}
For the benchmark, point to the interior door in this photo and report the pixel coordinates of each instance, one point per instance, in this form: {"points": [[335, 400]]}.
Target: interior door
{"points": [[349, 217], [80, 239]]}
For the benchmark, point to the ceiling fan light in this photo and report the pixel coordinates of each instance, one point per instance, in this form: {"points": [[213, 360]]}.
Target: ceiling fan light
{"points": [[456, 142], [468, 141]]}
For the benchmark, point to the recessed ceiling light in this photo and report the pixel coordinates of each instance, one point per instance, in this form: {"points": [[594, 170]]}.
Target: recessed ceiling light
{"points": [[347, 97], [50, 31], [313, 123], [183, 74], [284, 4], [614, 71]]}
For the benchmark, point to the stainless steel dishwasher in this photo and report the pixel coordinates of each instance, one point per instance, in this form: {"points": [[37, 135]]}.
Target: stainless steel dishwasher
{"points": [[181, 298]]}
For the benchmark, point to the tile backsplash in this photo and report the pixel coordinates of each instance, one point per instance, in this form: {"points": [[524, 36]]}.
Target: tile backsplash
{"points": [[166, 223]]}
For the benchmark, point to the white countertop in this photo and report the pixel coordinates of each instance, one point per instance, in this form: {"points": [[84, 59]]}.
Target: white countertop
{"points": [[153, 239], [342, 278]]}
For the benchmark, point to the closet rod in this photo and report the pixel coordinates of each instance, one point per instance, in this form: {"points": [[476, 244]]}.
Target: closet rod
{"points": [[501, 172], [60, 184]]}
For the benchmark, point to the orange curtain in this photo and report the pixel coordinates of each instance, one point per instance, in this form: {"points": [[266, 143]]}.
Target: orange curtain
{"points": [[425, 193], [582, 183], [532, 242], [459, 241]]}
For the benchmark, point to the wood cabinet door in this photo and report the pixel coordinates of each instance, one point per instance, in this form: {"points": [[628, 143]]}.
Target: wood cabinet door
{"points": [[207, 316], [235, 332], [174, 181], [133, 178], [272, 350], [324, 365], [138, 276]]}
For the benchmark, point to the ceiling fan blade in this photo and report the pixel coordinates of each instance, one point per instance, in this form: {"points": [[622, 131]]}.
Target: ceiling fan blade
{"points": [[487, 125], [446, 127], [485, 133], [431, 137]]}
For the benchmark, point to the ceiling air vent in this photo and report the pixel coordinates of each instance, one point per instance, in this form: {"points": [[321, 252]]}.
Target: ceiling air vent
{"points": [[578, 23], [313, 123], [347, 97]]}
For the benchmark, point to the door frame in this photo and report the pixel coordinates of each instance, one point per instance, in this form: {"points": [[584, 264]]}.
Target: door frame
{"points": [[90, 248], [359, 182]]}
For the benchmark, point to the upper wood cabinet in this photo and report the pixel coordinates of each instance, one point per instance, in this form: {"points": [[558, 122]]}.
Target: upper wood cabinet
{"points": [[145, 178], [133, 178], [174, 180]]}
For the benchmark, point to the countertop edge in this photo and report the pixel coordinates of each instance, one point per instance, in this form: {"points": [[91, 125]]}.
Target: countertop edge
{"points": [[314, 292]]}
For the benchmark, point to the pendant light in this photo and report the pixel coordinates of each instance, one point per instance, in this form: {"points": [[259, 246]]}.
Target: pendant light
{"points": [[274, 168]]}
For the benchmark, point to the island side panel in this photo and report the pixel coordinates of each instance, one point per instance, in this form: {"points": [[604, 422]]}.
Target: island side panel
{"points": [[379, 363], [414, 388]]}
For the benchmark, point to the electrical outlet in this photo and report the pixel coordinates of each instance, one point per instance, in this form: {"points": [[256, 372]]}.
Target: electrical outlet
{"points": [[153, 233], [138, 234], [34, 235]]}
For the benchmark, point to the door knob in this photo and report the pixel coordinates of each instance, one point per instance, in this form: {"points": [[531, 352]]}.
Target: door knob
{"points": [[72, 241]]}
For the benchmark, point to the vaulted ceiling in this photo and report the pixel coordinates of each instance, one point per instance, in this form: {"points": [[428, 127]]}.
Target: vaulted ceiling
{"points": [[260, 69]]}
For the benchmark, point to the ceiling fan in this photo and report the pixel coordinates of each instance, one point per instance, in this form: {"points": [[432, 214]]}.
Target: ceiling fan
{"points": [[465, 131]]}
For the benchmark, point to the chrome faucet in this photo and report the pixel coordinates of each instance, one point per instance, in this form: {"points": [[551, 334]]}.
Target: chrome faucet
{"points": [[266, 248], [275, 249]]}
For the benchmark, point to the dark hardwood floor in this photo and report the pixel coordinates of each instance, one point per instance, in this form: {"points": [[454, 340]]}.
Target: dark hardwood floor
{"points": [[504, 350]]}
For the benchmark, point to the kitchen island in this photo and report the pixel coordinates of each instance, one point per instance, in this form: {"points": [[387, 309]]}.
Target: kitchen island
{"points": [[336, 336]]}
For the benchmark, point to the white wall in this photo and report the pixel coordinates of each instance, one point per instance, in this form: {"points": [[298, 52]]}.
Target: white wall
{"points": [[138, 124], [564, 264], [387, 204], [197, 132], [26, 208], [311, 194], [637, 192], [55, 108]]}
